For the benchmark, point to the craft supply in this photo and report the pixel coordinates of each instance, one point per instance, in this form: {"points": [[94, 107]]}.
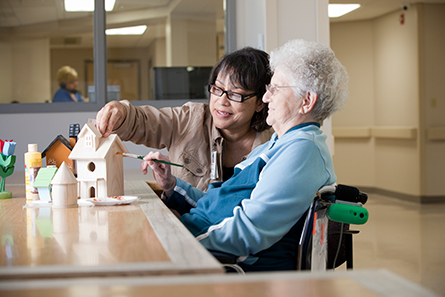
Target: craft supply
{"points": [[134, 156], [168, 163], [33, 163], [142, 157]]}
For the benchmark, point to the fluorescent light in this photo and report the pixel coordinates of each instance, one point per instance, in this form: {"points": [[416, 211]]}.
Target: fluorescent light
{"points": [[135, 30], [86, 5], [337, 10]]}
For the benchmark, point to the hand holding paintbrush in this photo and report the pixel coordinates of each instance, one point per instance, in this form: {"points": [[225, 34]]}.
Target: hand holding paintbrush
{"points": [[161, 172], [142, 158]]}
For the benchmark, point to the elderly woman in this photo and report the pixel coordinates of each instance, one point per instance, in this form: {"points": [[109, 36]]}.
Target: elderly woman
{"points": [[256, 215], [67, 78], [208, 139]]}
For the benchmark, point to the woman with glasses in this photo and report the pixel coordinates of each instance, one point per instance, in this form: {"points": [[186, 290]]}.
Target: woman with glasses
{"points": [[208, 139], [258, 214]]}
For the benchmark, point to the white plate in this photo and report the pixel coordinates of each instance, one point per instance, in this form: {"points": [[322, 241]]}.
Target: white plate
{"points": [[113, 201]]}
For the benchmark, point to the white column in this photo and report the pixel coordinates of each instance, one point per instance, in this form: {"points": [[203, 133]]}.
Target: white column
{"points": [[268, 24], [176, 42]]}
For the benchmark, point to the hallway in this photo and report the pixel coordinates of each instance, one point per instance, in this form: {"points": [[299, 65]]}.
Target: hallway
{"points": [[406, 238]]}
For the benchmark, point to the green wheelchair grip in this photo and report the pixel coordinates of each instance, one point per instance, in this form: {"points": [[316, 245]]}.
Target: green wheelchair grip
{"points": [[349, 214]]}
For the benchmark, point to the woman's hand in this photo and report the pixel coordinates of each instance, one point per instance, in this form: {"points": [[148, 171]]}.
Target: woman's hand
{"points": [[110, 117], [161, 172]]}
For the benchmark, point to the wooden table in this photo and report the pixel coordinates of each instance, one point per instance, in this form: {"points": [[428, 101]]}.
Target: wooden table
{"points": [[351, 283], [143, 238]]}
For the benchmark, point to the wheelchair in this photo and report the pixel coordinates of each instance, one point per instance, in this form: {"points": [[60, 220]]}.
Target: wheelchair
{"points": [[326, 241]]}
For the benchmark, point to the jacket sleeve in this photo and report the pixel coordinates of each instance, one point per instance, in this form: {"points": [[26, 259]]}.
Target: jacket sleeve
{"points": [[184, 197], [288, 184], [156, 128]]}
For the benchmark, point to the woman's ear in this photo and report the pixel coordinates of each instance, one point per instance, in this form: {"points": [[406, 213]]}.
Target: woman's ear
{"points": [[260, 106], [309, 100]]}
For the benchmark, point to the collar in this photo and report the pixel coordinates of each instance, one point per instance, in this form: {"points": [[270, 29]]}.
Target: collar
{"points": [[275, 135], [302, 126]]}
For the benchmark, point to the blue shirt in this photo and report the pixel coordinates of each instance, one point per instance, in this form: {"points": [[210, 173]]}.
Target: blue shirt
{"points": [[63, 95], [252, 214]]}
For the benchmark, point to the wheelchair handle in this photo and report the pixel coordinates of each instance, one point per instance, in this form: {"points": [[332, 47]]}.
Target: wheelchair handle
{"points": [[351, 194]]}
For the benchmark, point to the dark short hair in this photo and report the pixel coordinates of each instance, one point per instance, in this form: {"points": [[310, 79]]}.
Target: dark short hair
{"points": [[248, 68]]}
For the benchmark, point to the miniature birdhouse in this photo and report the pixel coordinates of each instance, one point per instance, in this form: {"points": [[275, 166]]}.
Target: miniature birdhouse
{"points": [[43, 182], [64, 190], [100, 171], [57, 152]]}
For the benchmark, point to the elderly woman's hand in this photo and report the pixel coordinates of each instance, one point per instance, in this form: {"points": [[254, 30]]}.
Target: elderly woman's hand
{"points": [[161, 172], [110, 117]]}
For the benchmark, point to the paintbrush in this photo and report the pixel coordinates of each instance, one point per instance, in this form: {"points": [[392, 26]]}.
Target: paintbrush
{"points": [[142, 157]]}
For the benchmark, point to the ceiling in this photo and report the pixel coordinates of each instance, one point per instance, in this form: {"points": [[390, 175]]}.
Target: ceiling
{"points": [[47, 18], [370, 9]]}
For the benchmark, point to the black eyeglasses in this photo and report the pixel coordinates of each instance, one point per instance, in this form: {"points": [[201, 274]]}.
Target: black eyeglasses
{"points": [[231, 95]]}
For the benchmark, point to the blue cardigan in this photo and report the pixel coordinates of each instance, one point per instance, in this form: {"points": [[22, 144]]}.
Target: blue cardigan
{"points": [[63, 95], [256, 214]]}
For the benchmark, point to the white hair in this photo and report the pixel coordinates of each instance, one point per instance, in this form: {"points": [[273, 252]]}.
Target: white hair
{"points": [[313, 67]]}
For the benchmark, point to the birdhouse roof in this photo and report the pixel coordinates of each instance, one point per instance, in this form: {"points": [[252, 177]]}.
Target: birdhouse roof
{"points": [[64, 176], [60, 138], [44, 177], [89, 127], [80, 152]]}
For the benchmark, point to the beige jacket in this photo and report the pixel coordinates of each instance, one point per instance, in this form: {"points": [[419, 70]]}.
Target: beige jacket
{"points": [[188, 134]]}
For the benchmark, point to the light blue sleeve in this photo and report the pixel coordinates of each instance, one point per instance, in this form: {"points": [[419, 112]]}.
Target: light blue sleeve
{"points": [[186, 190], [288, 184]]}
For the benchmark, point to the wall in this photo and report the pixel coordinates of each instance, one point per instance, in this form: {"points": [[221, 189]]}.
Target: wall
{"points": [[432, 94], [354, 157], [29, 70], [395, 98], [202, 41], [77, 58], [6, 73], [396, 101], [191, 42]]}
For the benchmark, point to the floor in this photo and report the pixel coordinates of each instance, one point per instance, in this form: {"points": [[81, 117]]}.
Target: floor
{"points": [[406, 238]]}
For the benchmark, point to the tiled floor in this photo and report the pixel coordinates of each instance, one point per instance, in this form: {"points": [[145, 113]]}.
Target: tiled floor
{"points": [[405, 238]]}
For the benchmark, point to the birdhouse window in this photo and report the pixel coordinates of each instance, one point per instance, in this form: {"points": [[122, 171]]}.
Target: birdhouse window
{"points": [[89, 141], [91, 166]]}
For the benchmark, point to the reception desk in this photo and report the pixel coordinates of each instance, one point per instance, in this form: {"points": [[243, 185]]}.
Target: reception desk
{"points": [[142, 238]]}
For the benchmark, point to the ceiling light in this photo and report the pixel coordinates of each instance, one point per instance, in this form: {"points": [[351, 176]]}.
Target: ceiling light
{"points": [[337, 10], [135, 30], [86, 5]]}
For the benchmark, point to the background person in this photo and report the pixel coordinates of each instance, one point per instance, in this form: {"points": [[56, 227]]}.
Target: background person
{"points": [[226, 129], [257, 215], [67, 78]]}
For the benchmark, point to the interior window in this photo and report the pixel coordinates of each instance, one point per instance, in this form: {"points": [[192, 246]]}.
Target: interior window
{"points": [[145, 41]]}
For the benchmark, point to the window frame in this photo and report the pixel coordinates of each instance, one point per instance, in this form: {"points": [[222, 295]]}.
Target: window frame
{"points": [[100, 71]]}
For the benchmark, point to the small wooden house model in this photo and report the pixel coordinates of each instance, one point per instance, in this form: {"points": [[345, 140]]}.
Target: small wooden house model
{"points": [[57, 152], [64, 191], [43, 182], [100, 171]]}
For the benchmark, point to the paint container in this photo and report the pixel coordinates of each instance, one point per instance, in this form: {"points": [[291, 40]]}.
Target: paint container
{"points": [[33, 163]]}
